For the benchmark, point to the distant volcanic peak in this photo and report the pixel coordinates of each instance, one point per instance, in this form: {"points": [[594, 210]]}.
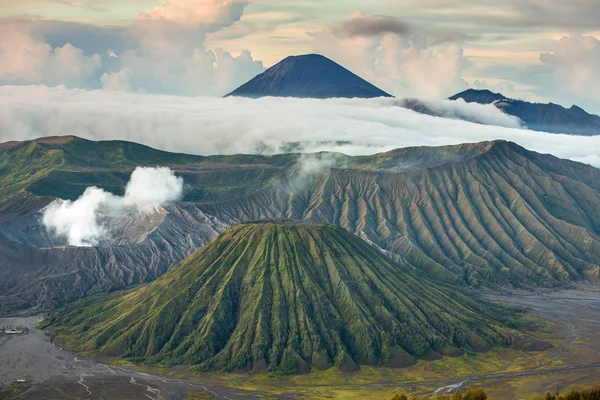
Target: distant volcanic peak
{"points": [[286, 297], [547, 117], [478, 96], [308, 76]]}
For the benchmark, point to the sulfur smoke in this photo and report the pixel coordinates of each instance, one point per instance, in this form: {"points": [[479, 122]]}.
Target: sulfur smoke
{"points": [[80, 221]]}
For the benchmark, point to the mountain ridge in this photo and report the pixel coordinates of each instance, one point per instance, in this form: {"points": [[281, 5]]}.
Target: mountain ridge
{"points": [[488, 214], [548, 117]]}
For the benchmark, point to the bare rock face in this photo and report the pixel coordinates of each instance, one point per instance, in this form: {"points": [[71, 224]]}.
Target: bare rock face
{"points": [[40, 272], [122, 229]]}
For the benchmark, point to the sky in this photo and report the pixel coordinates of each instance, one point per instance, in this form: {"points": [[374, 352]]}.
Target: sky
{"points": [[539, 50]]}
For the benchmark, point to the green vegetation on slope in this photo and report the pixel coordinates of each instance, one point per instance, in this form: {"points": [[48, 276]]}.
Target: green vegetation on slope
{"points": [[496, 215], [484, 214], [32, 173], [480, 394], [285, 297], [19, 167]]}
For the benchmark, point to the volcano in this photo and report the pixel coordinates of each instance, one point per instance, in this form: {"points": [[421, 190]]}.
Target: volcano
{"points": [[286, 297], [308, 76], [548, 117]]}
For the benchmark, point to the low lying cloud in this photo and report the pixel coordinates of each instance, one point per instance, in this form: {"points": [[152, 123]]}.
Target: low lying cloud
{"points": [[80, 221], [486, 114], [270, 125]]}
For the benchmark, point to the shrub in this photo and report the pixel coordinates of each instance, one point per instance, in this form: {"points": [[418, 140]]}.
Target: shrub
{"points": [[475, 394]]}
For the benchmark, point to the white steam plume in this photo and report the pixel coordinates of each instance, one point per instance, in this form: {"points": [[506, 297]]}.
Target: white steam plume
{"points": [[270, 125], [80, 220]]}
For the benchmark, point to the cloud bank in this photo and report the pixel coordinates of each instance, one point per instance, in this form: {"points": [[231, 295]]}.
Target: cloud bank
{"points": [[162, 51], [270, 125], [486, 114], [80, 221]]}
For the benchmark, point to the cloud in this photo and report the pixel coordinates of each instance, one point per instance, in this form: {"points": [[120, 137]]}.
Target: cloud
{"points": [[361, 24], [576, 67], [27, 59], [201, 13], [178, 27], [510, 15], [163, 51], [171, 56], [316, 163], [80, 221], [399, 64], [486, 114], [270, 125], [202, 72]]}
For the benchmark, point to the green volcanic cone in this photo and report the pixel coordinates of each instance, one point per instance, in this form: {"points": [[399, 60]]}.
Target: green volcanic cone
{"points": [[285, 297]]}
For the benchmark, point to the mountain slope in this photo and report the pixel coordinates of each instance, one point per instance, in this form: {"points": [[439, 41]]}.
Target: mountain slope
{"points": [[285, 296], [34, 173], [40, 279], [497, 215], [484, 214], [308, 76], [550, 117]]}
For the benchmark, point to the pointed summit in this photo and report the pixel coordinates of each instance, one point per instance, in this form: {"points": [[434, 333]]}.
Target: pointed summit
{"points": [[308, 76]]}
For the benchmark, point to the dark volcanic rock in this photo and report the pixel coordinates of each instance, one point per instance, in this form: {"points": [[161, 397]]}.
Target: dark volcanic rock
{"points": [[308, 76], [550, 117], [34, 278]]}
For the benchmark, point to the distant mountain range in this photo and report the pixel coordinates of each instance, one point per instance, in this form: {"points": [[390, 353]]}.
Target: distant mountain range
{"points": [[287, 297], [308, 76], [484, 214], [549, 117]]}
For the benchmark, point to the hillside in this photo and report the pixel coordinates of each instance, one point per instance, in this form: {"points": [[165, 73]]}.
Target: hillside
{"points": [[285, 297], [308, 76], [549, 117], [35, 172], [485, 214], [490, 214]]}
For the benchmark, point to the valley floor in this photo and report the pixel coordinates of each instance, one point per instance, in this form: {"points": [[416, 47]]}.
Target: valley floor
{"points": [[574, 329], [51, 372]]}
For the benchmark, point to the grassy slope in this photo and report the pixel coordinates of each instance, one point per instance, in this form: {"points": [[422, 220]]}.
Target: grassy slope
{"points": [[503, 216], [21, 166], [482, 214], [285, 297], [34, 172]]}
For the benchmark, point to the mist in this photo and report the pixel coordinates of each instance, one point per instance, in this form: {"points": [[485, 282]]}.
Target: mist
{"points": [[266, 126], [81, 221]]}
